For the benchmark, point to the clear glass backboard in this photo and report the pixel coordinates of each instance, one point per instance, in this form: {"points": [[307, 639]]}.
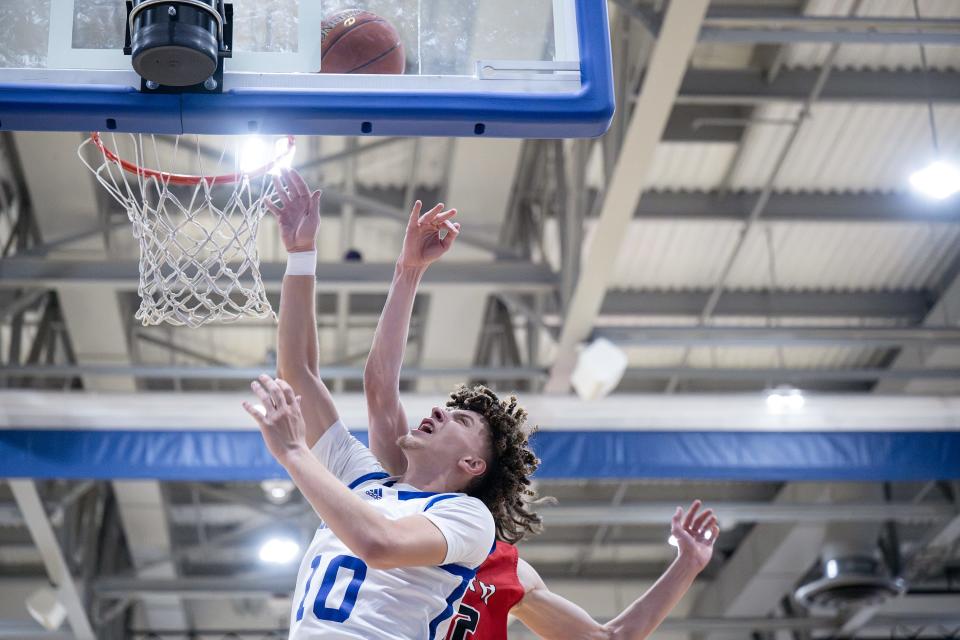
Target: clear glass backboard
{"points": [[536, 68]]}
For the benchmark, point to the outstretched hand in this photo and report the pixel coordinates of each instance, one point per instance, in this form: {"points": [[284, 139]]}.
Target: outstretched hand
{"points": [[298, 212], [282, 425], [695, 534], [422, 244]]}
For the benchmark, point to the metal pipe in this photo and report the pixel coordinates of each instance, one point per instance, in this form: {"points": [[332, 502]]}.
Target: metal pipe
{"points": [[249, 373], [731, 513], [765, 194], [631, 513], [773, 35], [493, 374], [783, 335]]}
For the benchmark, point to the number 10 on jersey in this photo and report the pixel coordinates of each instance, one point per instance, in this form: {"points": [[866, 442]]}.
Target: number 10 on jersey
{"points": [[341, 568]]}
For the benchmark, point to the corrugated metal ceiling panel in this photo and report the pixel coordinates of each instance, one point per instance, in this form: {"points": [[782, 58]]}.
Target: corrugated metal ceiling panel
{"points": [[828, 256], [690, 166], [847, 147], [873, 56]]}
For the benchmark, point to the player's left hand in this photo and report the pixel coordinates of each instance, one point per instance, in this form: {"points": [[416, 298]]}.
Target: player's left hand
{"points": [[695, 534], [282, 425]]}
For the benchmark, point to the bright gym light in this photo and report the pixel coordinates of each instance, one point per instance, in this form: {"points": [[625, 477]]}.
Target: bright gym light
{"points": [[938, 180], [785, 400], [832, 569], [278, 491], [256, 152], [279, 551]]}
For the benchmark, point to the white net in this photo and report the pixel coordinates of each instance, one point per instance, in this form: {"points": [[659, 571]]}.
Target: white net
{"points": [[198, 233]]}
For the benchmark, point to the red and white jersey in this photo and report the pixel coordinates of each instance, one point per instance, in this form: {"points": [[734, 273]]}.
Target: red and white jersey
{"points": [[491, 595]]}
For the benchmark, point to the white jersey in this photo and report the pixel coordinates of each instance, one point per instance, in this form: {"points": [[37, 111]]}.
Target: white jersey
{"points": [[338, 596]]}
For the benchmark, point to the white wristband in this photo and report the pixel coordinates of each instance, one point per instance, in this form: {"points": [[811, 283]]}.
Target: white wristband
{"points": [[302, 263]]}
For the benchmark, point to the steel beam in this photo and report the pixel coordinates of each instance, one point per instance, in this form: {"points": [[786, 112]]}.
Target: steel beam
{"points": [[702, 86], [198, 588], [761, 624], [732, 513], [488, 373], [790, 375], [30, 631], [331, 276], [35, 517], [667, 64], [401, 216], [910, 306], [249, 373], [777, 25], [840, 30], [797, 336], [795, 207], [706, 123], [741, 624], [651, 513], [944, 312]]}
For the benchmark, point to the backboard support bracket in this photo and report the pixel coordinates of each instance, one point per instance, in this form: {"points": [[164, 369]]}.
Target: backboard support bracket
{"points": [[214, 84]]}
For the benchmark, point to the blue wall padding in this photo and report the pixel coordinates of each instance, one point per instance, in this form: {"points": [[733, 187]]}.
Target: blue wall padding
{"points": [[727, 455]]}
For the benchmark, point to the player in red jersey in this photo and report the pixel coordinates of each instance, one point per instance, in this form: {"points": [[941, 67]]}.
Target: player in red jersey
{"points": [[491, 595], [504, 583]]}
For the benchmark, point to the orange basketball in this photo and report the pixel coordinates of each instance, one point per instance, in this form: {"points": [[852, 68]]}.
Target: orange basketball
{"points": [[357, 41]]}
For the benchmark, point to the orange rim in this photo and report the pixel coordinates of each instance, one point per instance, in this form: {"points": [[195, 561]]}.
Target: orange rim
{"points": [[185, 179]]}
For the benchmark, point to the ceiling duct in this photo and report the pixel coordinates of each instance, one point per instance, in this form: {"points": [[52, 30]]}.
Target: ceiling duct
{"points": [[849, 577], [852, 572]]}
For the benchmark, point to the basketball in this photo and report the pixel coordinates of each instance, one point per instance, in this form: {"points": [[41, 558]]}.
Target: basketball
{"points": [[357, 41]]}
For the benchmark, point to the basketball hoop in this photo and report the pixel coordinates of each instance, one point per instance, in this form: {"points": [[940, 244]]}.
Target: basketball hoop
{"points": [[197, 229]]}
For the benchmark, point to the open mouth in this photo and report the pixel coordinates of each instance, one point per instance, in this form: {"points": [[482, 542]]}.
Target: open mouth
{"points": [[426, 426]]}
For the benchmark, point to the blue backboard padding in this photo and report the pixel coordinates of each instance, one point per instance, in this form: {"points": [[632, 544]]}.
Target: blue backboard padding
{"points": [[758, 456], [86, 108], [586, 113]]}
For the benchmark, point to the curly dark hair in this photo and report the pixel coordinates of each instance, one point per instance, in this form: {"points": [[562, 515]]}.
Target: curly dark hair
{"points": [[505, 487]]}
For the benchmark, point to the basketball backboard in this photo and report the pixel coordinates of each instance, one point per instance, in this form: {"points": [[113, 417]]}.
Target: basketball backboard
{"points": [[498, 68]]}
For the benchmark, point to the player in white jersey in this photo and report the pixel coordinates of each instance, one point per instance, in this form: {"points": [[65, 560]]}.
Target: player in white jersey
{"points": [[393, 555]]}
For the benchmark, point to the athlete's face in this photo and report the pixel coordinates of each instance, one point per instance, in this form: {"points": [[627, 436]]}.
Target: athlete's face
{"points": [[451, 436]]}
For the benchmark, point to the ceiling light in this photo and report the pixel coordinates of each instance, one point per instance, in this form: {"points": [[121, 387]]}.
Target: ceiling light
{"points": [[256, 152], [278, 491], [785, 400], [279, 551], [938, 180], [832, 569]]}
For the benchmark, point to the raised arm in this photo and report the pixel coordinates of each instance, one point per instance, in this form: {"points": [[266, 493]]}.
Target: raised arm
{"points": [[553, 617], [382, 543], [422, 245], [298, 215]]}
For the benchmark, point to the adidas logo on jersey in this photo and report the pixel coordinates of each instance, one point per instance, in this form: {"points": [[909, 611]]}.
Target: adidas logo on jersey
{"points": [[376, 494]]}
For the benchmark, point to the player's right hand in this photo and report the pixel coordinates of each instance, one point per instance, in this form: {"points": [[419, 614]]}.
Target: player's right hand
{"points": [[281, 420], [298, 211], [423, 244], [695, 534]]}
